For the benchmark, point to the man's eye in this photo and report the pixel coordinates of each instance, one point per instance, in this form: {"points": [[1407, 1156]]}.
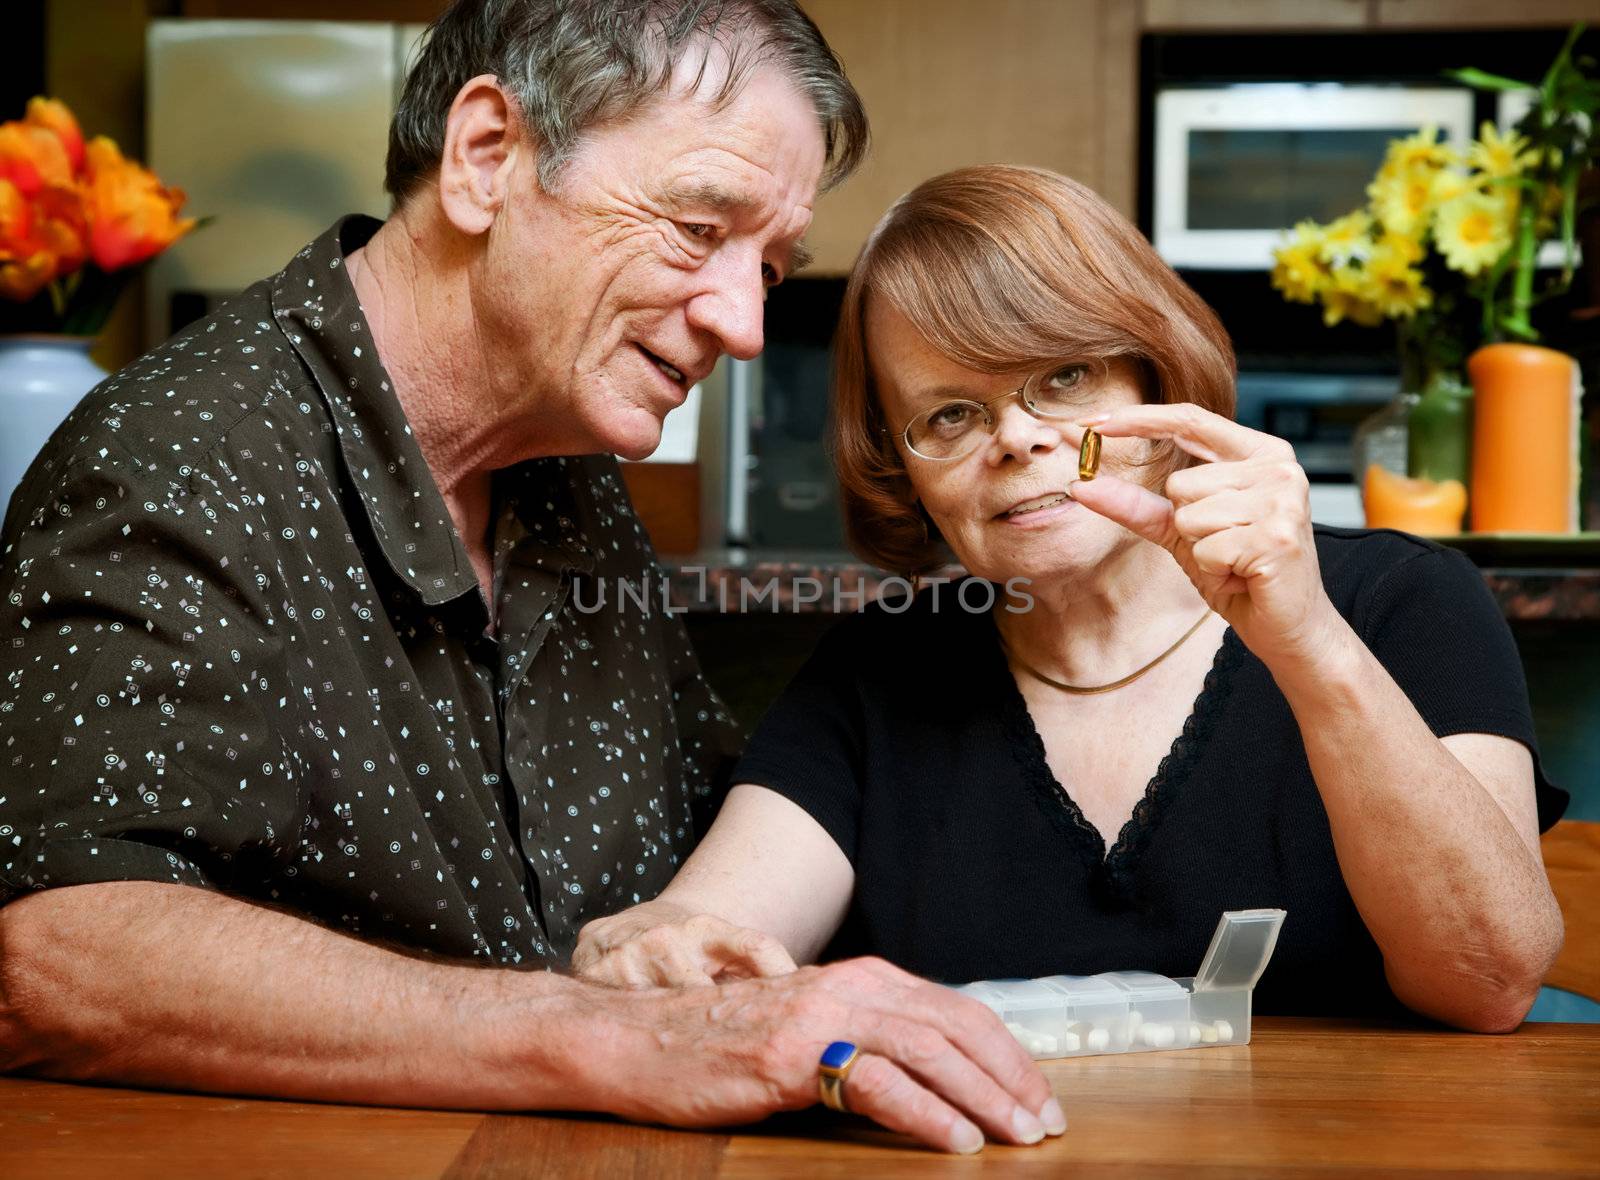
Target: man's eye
{"points": [[697, 229], [769, 274]]}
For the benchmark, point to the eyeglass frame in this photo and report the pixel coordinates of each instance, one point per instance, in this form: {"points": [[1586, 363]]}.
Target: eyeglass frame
{"points": [[990, 418]]}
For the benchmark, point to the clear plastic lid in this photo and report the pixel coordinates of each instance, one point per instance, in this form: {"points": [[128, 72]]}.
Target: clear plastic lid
{"points": [[1145, 985], [1239, 950]]}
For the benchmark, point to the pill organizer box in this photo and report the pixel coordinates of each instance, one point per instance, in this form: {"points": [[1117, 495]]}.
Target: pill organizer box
{"points": [[1130, 1011]]}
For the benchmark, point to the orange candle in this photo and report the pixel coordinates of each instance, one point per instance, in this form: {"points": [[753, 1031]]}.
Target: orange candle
{"points": [[1426, 507], [1524, 439]]}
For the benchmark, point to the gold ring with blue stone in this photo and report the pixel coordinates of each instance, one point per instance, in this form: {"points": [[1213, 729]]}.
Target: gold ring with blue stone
{"points": [[837, 1060]]}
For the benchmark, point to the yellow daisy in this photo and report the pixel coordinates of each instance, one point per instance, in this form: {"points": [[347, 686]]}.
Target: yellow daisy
{"points": [[1474, 230], [1393, 286], [1419, 150], [1496, 156], [1403, 198], [1347, 238], [1299, 271], [1344, 299]]}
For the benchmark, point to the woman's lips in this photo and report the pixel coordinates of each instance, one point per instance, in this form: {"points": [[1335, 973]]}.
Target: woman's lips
{"points": [[1039, 516]]}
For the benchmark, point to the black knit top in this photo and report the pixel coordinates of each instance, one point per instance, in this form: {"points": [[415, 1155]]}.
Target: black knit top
{"points": [[906, 738]]}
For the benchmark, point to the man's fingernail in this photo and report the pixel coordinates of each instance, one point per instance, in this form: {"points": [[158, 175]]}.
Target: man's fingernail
{"points": [[967, 1140], [1053, 1117], [1026, 1128]]}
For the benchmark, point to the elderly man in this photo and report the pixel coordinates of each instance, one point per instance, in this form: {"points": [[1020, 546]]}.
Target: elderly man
{"points": [[302, 731]]}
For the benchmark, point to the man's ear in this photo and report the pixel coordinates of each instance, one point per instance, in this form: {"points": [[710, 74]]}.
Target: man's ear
{"points": [[482, 136]]}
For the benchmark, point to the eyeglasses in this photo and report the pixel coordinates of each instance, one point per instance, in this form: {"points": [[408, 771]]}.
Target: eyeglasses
{"points": [[954, 429]]}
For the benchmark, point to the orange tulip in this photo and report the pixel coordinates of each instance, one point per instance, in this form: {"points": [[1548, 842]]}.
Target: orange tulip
{"points": [[131, 216], [52, 115], [26, 261], [33, 157]]}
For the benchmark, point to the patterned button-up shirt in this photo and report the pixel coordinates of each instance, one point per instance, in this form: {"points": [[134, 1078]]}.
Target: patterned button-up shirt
{"points": [[243, 647]]}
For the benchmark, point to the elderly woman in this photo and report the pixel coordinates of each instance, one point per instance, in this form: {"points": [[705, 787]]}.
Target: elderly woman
{"points": [[1163, 693]]}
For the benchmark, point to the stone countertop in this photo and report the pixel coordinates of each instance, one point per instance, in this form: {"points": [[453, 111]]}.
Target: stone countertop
{"points": [[759, 581]]}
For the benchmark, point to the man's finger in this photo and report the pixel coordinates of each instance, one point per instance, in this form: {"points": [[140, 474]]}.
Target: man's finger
{"points": [[981, 1035], [883, 1092], [1198, 431], [1135, 508], [928, 1056]]}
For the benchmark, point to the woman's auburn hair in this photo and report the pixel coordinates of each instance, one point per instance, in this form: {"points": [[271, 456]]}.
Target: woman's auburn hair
{"points": [[1006, 269]]}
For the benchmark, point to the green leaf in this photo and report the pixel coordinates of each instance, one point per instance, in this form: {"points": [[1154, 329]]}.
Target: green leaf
{"points": [[1481, 80]]}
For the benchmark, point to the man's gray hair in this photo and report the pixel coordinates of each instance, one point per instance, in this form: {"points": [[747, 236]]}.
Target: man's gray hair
{"points": [[572, 65]]}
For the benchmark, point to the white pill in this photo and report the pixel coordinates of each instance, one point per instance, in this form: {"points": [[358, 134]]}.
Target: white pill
{"points": [[1158, 1036], [1224, 1031], [1135, 1019], [1045, 1044], [1208, 1034], [1017, 1031], [1194, 1033], [1097, 1040], [1071, 1043]]}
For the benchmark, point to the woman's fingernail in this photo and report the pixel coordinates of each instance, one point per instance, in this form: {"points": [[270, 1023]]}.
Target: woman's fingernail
{"points": [[1053, 1117], [1026, 1128], [967, 1139], [1094, 420]]}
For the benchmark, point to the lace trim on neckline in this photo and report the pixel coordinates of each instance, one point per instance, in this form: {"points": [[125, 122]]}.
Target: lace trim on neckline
{"points": [[1111, 874]]}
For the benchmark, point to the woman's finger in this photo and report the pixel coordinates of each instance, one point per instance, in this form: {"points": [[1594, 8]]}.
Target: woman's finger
{"points": [[1188, 484], [1198, 431], [748, 952], [1225, 510], [1135, 508]]}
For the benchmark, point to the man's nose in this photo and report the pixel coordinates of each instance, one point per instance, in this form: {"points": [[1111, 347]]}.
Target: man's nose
{"points": [[1021, 436], [732, 306]]}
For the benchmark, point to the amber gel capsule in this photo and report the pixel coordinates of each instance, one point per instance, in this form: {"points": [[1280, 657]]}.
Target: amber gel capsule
{"points": [[1089, 453]]}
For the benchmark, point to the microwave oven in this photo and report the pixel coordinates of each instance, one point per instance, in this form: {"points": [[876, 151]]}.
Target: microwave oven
{"points": [[1242, 136], [1236, 165]]}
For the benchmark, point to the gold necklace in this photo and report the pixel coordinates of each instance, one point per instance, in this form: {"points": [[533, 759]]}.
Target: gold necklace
{"points": [[1087, 690]]}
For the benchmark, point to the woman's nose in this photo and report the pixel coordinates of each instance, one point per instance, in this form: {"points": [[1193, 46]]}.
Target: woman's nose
{"points": [[1021, 436]]}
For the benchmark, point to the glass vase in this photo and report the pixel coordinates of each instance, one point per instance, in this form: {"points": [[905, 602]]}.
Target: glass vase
{"points": [[1439, 429], [41, 379], [1382, 438]]}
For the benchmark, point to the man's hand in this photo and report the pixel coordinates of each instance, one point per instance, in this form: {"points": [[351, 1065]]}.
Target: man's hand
{"points": [[134, 983], [934, 1064], [659, 944]]}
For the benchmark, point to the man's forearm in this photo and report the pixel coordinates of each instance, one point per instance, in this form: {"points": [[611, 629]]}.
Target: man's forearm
{"points": [[169, 986]]}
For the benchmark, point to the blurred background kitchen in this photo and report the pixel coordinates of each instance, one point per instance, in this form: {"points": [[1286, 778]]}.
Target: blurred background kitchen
{"points": [[1215, 124]]}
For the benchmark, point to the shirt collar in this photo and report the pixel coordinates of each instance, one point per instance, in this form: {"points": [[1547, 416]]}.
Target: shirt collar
{"points": [[315, 304]]}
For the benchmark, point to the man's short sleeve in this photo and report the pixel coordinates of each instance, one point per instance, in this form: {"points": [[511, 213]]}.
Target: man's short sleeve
{"points": [[141, 694], [1433, 624], [809, 747]]}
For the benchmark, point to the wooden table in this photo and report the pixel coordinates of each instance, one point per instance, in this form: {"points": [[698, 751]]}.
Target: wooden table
{"points": [[1308, 1097]]}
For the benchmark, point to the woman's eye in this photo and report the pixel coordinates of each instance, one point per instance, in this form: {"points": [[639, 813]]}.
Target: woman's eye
{"points": [[1065, 377], [951, 417]]}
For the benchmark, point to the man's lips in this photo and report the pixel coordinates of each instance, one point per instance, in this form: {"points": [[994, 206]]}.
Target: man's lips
{"points": [[684, 375]]}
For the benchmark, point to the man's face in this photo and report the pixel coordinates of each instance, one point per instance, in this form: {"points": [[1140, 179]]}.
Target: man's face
{"points": [[604, 301]]}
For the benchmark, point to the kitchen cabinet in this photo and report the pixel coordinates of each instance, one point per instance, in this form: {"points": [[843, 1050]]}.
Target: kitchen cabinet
{"points": [[1253, 15], [946, 83]]}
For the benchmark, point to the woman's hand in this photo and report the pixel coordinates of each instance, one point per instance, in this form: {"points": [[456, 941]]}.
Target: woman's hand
{"points": [[1239, 524], [659, 944]]}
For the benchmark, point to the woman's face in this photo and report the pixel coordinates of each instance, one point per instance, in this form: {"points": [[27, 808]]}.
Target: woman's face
{"points": [[1003, 506]]}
